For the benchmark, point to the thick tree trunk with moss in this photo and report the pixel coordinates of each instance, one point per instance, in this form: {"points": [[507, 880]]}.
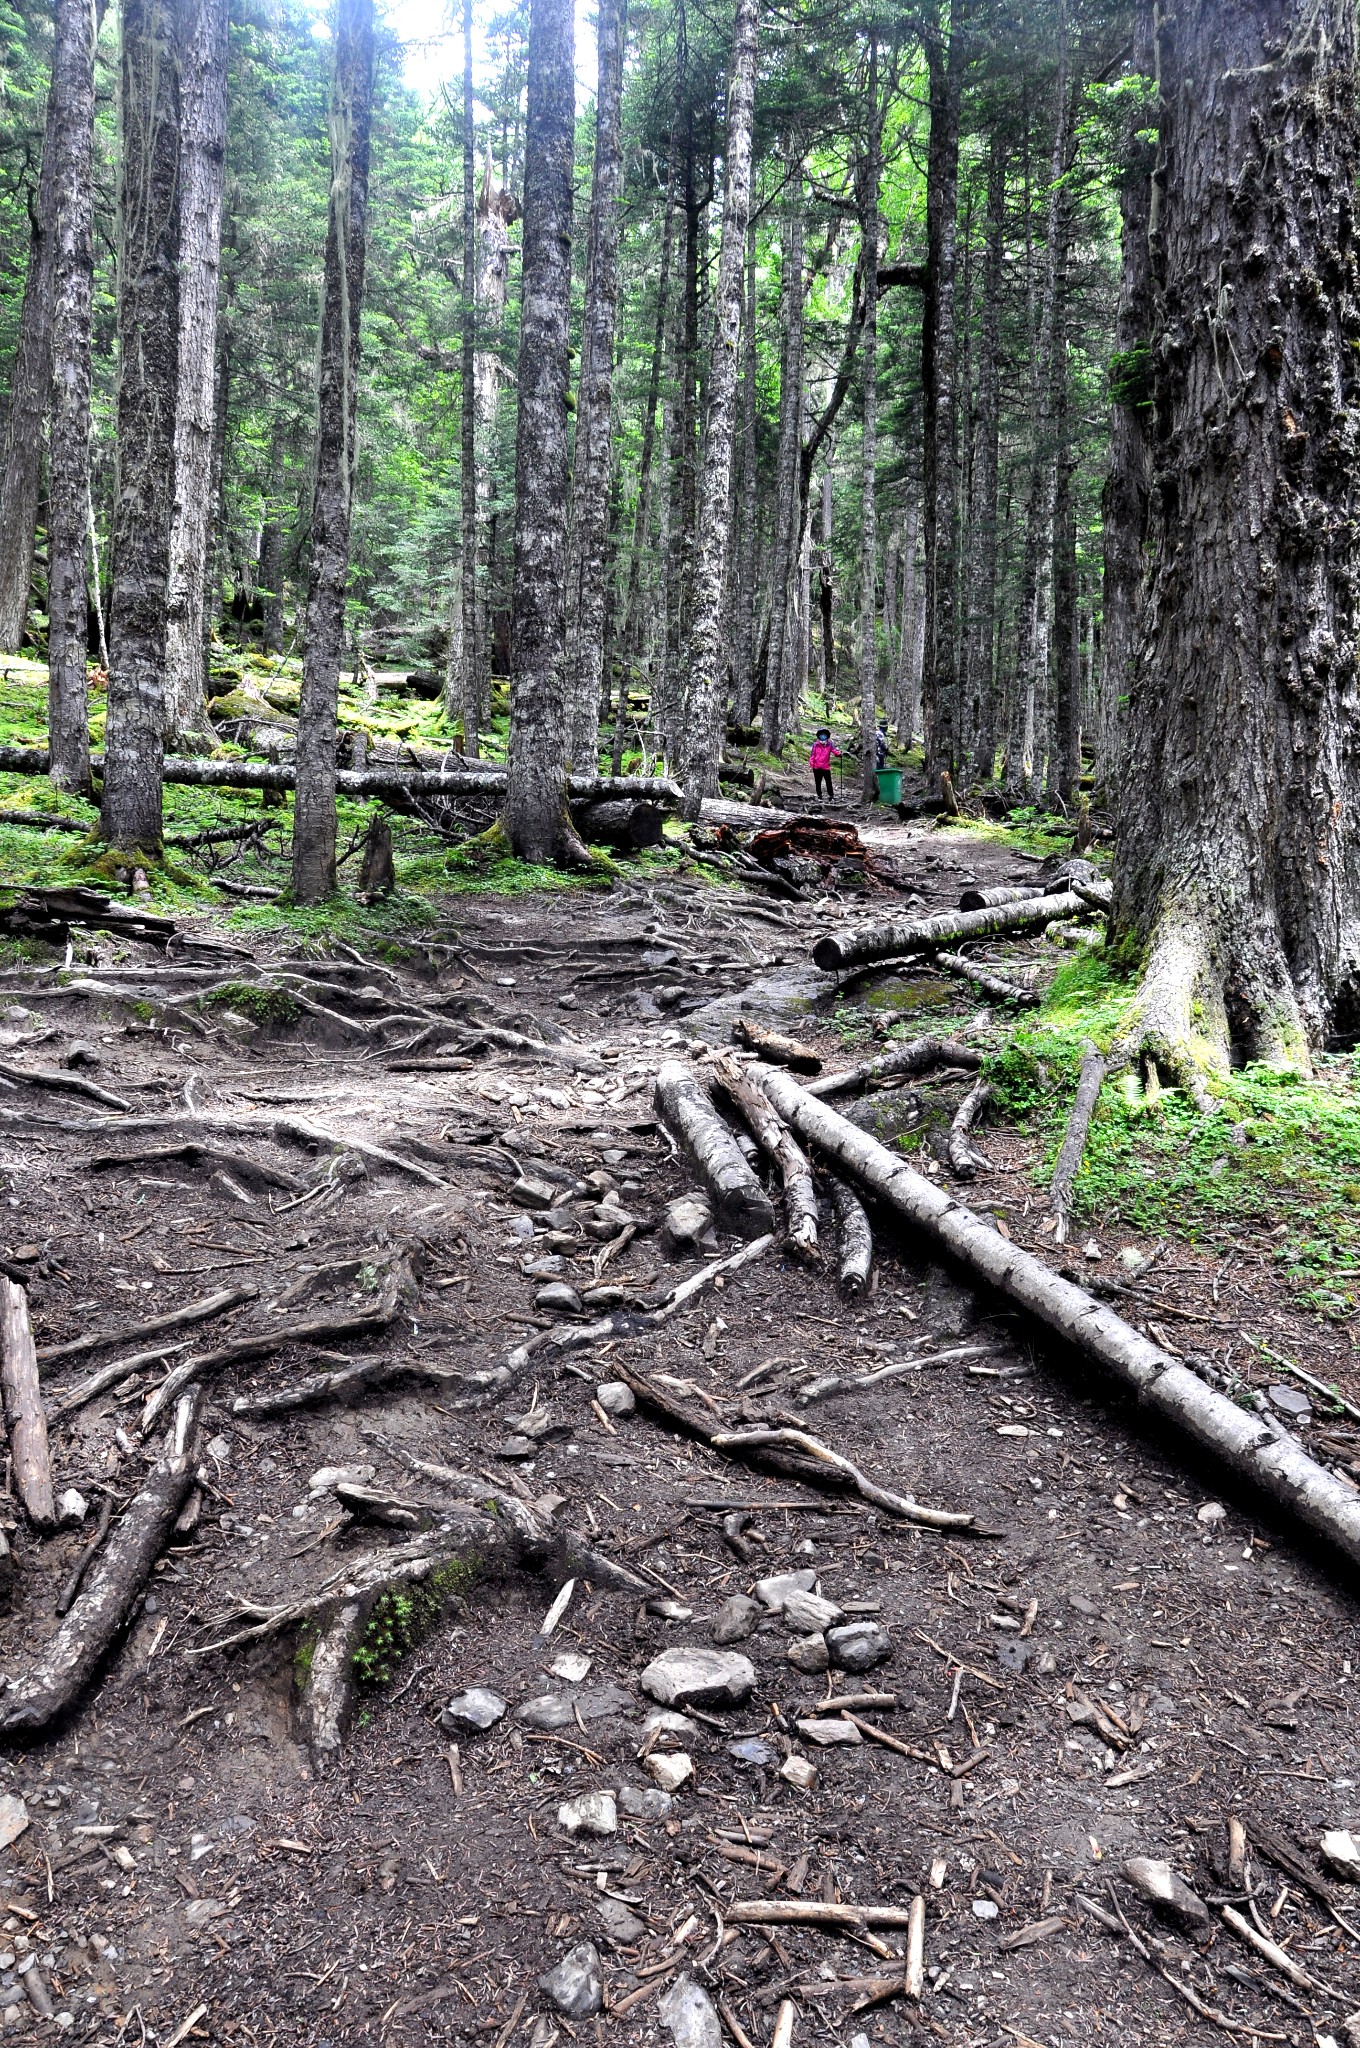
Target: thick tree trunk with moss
{"points": [[705, 698], [30, 377], [940, 695], [537, 822], [337, 406], [1238, 867], [148, 364], [69, 456], [868, 541], [984, 539], [594, 441], [464, 684], [203, 149]]}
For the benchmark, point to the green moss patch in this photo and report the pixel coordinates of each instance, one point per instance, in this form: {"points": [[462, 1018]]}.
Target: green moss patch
{"points": [[405, 1616]]}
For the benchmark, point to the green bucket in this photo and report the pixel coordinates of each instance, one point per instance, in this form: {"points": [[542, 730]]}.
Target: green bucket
{"points": [[889, 785]]}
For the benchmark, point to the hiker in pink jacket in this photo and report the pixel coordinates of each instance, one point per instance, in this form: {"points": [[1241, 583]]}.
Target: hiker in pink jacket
{"points": [[824, 752]]}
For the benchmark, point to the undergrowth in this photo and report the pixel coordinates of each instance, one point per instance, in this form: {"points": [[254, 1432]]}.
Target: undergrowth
{"points": [[403, 1617]]}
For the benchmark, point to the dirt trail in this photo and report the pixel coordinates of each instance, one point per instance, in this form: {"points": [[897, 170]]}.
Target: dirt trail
{"points": [[1132, 1658]]}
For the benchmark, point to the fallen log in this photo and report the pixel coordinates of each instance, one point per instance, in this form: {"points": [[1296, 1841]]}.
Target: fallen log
{"points": [[201, 1311], [1277, 1467], [855, 1239], [740, 1202], [24, 1408], [483, 780], [55, 1680], [628, 824], [716, 810], [1070, 1153], [993, 898], [914, 1056], [774, 1047], [993, 985], [837, 951], [779, 1145], [961, 1155]]}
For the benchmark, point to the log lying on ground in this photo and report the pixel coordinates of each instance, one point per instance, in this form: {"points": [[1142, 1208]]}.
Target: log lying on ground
{"points": [[993, 985], [200, 1311], [855, 1239], [993, 898], [778, 1144], [55, 1680], [1277, 1466], [961, 1156], [716, 810], [483, 780], [773, 1046], [1089, 1084], [24, 1408], [915, 1056], [837, 951], [739, 1201], [621, 822]]}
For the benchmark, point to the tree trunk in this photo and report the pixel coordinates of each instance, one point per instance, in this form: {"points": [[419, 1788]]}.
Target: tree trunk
{"points": [[907, 683], [705, 698], [980, 682], [69, 458], [826, 599], [868, 545], [148, 373], [1125, 502], [271, 551], [744, 637], [1237, 862], [29, 391], [337, 406], [940, 680], [590, 482], [787, 477], [642, 521], [203, 145], [1064, 762], [1031, 652], [682, 453], [537, 822], [466, 681], [497, 211]]}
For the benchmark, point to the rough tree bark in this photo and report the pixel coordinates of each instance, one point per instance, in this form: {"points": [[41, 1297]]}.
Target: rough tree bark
{"points": [[940, 500], [594, 398], [69, 455], [148, 370], [787, 472], [1064, 760], [705, 706], [30, 380], [468, 682], [337, 407], [1238, 868], [980, 675], [1125, 503], [744, 637], [537, 822], [868, 532], [203, 149], [271, 551], [642, 522]]}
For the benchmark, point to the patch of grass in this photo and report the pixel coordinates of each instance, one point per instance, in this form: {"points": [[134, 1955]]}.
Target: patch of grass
{"points": [[404, 1617], [1027, 829], [265, 1005]]}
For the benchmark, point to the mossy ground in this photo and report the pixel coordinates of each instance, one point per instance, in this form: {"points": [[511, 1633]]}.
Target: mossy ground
{"points": [[403, 1618]]}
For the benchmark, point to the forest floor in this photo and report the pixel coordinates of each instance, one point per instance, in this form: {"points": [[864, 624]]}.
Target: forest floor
{"points": [[1132, 1657]]}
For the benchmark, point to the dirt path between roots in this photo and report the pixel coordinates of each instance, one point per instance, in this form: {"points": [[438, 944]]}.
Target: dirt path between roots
{"points": [[1133, 1657]]}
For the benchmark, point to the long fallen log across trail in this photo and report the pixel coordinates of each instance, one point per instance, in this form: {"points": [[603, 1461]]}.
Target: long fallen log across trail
{"points": [[778, 1143], [837, 951], [1278, 1467], [483, 780], [739, 1201], [60, 1672], [916, 1056]]}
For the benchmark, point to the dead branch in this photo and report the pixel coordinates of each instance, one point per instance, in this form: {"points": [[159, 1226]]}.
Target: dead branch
{"points": [[856, 1383], [778, 1143], [855, 1239], [1068, 1165], [774, 1047], [993, 985], [915, 1056], [251, 1172], [61, 1083], [201, 1311], [963, 1158]]}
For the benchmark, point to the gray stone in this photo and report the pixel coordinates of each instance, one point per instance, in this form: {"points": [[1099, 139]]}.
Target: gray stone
{"points": [[772, 1593], [1291, 1401], [80, 1053], [754, 1750], [550, 1710], [809, 1654], [616, 1397], [1013, 1655], [638, 1804], [687, 2013], [1160, 1886], [668, 1727], [685, 1221], [556, 1295], [520, 1226], [985, 1909], [735, 1619], [597, 1701], [671, 1769], [545, 1268], [859, 1645], [532, 1193], [473, 1711], [621, 1925], [594, 1813], [696, 1677], [575, 1985], [516, 1447], [829, 1732], [809, 1613]]}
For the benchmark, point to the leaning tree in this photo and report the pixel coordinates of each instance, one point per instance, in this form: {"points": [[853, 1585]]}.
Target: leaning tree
{"points": [[1238, 864]]}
